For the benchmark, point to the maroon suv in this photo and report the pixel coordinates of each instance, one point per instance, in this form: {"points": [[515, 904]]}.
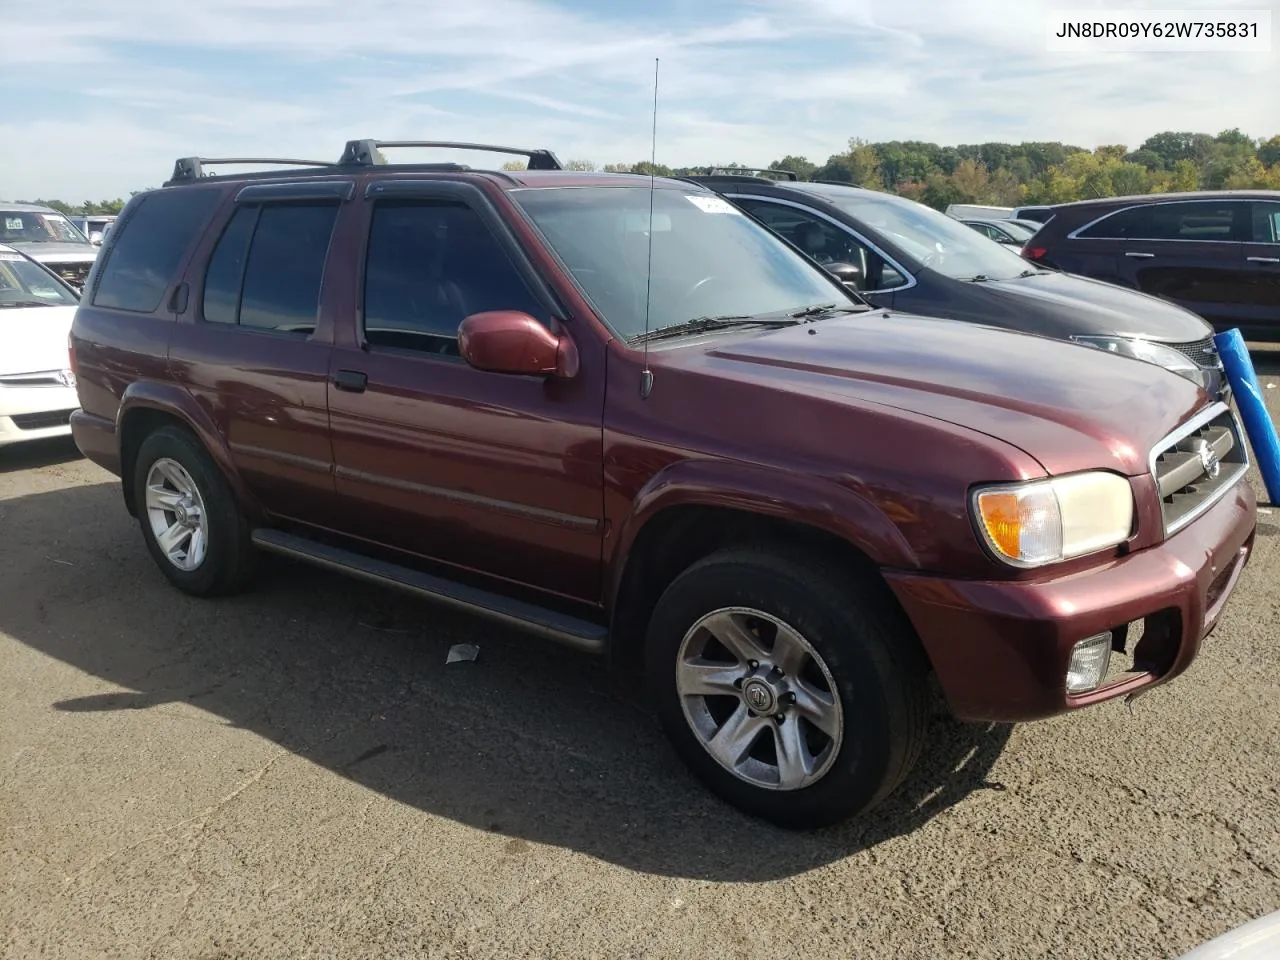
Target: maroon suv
{"points": [[620, 414]]}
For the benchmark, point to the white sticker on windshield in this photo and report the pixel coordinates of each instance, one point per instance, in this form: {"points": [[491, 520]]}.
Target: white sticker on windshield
{"points": [[15, 257], [713, 205], [13, 223]]}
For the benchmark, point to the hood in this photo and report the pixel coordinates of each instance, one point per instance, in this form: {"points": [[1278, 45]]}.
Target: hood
{"points": [[57, 252], [34, 339], [1070, 407], [1087, 306]]}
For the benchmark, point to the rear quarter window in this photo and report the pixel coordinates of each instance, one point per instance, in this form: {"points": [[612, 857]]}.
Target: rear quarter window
{"points": [[148, 247]]}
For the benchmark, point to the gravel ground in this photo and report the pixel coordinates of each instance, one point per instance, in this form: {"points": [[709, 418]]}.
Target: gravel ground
{"points": [[296, 772]]}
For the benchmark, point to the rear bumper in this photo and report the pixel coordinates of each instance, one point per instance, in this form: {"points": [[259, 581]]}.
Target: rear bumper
{"points": [[35, 412], [96, 438], [1000, 649]]}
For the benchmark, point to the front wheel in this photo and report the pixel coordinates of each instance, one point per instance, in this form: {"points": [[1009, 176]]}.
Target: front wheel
{"points": [[793, 691]]}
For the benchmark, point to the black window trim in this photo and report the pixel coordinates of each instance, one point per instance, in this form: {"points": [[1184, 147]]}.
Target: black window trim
{"points": [[340, 190], [275, 197], [1075, 234], [841, 225], [474, 198]]}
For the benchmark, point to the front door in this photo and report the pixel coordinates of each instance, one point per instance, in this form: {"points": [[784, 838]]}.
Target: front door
{"points": [[489, 472], [1262, 260]]}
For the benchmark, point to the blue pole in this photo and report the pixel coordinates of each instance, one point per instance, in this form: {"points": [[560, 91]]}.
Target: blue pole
{"points": [[1253, 409]]}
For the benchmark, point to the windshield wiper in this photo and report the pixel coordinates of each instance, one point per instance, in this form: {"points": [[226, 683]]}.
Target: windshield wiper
{"points": [[979, 278], [825, 308], [700, 324], [26, 303]]}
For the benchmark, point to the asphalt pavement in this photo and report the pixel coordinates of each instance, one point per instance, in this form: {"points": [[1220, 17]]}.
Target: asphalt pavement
{"points": [[297, 772]]}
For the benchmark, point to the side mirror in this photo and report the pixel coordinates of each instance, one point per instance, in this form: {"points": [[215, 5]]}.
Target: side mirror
{"points": [[509, 341], [850, 274]]}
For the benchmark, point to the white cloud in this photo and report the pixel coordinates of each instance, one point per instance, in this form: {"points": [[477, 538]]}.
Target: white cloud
{"points": [[126, 87]]}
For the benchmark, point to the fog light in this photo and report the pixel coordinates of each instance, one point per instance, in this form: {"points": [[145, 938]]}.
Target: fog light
{"points": [[1089, 659]]}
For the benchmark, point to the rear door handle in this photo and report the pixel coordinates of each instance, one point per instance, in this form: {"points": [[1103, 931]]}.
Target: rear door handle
{"points": [[352, 381], [1143, 256], [1263, 259]]}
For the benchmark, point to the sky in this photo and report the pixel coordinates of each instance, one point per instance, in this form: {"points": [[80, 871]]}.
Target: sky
{"points": [[101, 96]]}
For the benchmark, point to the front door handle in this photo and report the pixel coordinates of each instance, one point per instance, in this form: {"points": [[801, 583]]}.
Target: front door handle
{"points": [[1143, 256], [353, 381], [1263, 259]]}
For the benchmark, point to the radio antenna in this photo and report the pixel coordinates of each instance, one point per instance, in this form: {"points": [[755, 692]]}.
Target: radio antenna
{"points": [[646, 375]]}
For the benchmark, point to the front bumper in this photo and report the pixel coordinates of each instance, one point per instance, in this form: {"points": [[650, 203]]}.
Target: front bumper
{"points": [[1001, 648], [34, 413]]}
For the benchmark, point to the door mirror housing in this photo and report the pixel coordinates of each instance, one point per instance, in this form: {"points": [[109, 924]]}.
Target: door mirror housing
{"points": [[850, 274], [509, 341]]}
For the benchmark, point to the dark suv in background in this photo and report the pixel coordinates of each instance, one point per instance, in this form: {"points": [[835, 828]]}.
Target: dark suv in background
{"points": [[1214, 252], [618, 413], [901, 254]]}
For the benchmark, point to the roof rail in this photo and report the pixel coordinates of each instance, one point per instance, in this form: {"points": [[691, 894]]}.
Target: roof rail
{"points": [[839, 183], [192, 168], [369, 152], [754, 172]]}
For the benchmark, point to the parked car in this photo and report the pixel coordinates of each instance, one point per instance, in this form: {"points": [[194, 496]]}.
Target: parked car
{"points": [[1012, 233], [1037, 213], [37, 388], [962, 211], [906, 256], [1216, 252], [95, 227], [618, 413], [48, 238]]}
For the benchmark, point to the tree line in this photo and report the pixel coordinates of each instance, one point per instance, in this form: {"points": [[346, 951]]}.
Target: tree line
{"points": [[1004, 174]]}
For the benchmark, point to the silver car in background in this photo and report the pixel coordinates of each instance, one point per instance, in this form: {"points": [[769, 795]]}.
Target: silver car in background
{"points": [[49, 238]]}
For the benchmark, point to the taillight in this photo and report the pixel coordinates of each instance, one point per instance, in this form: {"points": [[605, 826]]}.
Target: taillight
{"points": [[1034, 253]]}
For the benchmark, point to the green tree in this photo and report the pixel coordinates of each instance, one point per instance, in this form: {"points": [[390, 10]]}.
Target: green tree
{"points": [[800, 166]]}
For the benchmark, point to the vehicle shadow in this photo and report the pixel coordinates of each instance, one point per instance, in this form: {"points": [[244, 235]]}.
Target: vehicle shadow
{"points": [[34, 454], [529, 740]]}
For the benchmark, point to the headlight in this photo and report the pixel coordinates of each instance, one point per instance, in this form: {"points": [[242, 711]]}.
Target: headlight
{"points": [[1160, 354], [1042, 521]]}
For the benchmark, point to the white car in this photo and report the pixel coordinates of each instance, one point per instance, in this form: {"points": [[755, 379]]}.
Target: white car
{"points": [[37, 387]]}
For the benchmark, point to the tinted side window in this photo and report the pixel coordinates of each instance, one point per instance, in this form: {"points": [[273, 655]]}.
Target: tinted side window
{"points": [[149, 246], [1266, 221], [825, 242], [225, 273], [1192, 221], [281, 289], [429, 266], [1123, 225]]}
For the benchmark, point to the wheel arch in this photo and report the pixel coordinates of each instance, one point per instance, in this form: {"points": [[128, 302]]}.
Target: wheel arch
{"points": [[146, 407]]}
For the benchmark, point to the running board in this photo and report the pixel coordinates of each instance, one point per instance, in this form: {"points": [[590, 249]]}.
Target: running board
{"points": [[531, 618]]}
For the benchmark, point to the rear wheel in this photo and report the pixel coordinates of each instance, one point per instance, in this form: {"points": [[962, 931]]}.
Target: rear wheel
{"points": [[190, 520], [793, 691]]}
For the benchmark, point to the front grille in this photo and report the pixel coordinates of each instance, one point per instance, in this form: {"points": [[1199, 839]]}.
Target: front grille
{"points": [[1197, 464], [42, 421], [1202, 352], [74, 273]]}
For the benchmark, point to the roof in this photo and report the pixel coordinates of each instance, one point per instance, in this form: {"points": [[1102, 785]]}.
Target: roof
{"points": [[1161, 197], [26, 207]]}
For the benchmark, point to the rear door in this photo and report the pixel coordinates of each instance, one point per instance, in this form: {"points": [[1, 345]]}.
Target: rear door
{"points": [[254, 350], [487, 472], [1189, 252], [1262, 261]]}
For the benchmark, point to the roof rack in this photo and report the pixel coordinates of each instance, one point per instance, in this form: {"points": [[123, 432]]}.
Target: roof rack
{"points": [[839, 183], [369, 152], [192, 168]]}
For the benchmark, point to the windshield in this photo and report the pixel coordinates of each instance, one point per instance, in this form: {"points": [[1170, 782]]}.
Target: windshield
{"points": [[937, 241], [23, 282], [709, 259], [1020, 231], [24, 226]]}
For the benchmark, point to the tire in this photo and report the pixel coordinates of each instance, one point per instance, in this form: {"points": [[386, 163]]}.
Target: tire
{"points": [[218, 555], [859, 648]]}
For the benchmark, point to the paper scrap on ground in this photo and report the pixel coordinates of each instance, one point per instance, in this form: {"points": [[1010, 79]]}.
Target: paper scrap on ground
{"points": [[462, 651]]}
